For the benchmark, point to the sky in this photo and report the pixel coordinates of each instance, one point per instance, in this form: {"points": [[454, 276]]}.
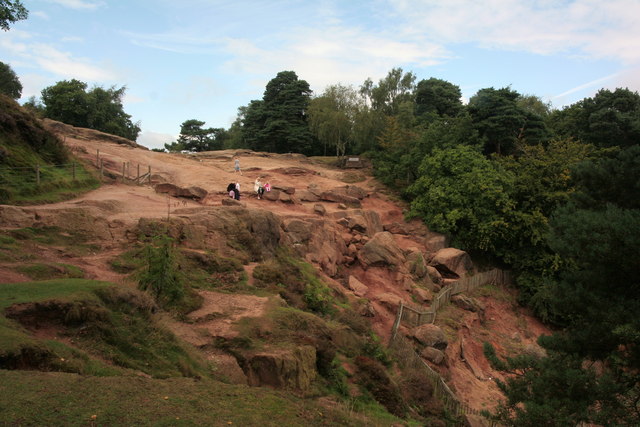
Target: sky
{"points": [[203, 59]]}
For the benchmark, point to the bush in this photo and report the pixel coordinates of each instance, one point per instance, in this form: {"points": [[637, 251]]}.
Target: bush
{"points": [[374, 378]]}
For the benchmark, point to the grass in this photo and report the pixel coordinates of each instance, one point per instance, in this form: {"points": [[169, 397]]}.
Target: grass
{"points": [[36, 398], [27, 147], [40, 271], [105, 323]]}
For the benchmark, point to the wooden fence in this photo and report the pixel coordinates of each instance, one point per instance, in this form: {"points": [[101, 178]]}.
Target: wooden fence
{"points": [[138, 175], [415, 317], [405, 353]]}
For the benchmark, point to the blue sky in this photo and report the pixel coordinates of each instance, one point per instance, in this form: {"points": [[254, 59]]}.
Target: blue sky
{"points": [[202, 59]]}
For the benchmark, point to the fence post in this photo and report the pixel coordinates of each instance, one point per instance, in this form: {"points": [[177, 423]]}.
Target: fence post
{"points": [[37, 174], [149, 175], [98, 157], [138, 176]]}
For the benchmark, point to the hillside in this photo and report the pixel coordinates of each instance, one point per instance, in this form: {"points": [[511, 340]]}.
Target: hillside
{"points": [[324, 215]]}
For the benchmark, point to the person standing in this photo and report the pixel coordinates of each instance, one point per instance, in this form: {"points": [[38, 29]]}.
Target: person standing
{"points": [[236, 166], [258, 188]]}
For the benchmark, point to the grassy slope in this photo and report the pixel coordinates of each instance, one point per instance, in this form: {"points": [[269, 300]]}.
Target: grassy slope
{"points": [[41, 398], [25, 144]]}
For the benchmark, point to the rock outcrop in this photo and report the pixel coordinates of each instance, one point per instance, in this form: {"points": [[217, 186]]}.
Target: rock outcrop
{"points": [[293, 369], [381, 250], [452, 261]]}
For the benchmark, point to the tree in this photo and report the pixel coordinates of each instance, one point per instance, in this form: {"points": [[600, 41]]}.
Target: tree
{"points": [[390, 92], [463, 194], [596, 236], [11, 11], [502, 123], [278, 122], [106, 113], [101, 109], [439, 97], [9, 83], [608, 119], [193, 137], [67, 102], [332, 117]]}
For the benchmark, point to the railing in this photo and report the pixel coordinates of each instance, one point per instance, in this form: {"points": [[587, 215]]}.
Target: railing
{"points": [[416, 317], [405, 352]]}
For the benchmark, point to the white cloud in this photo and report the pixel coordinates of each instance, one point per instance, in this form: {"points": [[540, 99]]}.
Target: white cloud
{"points": [[599, 29], [63, 64], [79, 4], [154, 139], [23, 50]]}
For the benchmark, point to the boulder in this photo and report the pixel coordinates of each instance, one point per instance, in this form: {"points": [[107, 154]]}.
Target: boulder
{"points": [[396, 228], [434, 274], [382, 249], [358, 288], [436, 242], [272, 195], [433, 355], [287, 198], [339, 196], [285, 368], [452, 261], [389, 300], [307, 196], [297, 230], [423, 295], [467, 303], [319, 209], [416, 264], [430, 336], [195, 193], [288, 190]]}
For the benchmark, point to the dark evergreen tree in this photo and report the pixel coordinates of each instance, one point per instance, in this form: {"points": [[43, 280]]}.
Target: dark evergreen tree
{"points": [[278, 122], [438, 97], [606, 120], [9, 83], [502, 124]]}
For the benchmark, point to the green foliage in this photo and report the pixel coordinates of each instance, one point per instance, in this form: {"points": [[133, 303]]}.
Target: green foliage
{"points": [[40, 271], [462, 194], [160, 276], [278, 122], [332, 117], [11, 11], [296, 281], [195, 138], [9, 83], [373, 377], [390, 92], [606, 120], [560, 390], [101, 109], [502, 124], [438, 97]]}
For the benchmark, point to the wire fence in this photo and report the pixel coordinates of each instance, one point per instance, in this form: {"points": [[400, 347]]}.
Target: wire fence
{"points": [[37, 175], [30, 179], [406, 354]]}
